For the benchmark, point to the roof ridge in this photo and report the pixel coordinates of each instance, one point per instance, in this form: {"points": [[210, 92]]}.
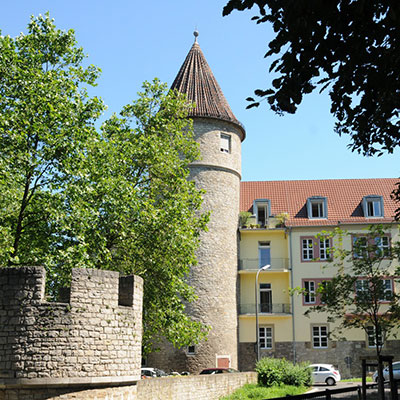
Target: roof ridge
{"points": [[322, 180]]}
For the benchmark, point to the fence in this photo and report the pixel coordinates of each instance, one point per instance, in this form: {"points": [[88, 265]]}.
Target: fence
{"points": [[351, 393]]}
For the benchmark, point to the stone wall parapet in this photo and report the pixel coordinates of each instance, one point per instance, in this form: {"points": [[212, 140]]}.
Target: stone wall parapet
{"points": [[96, 334]]}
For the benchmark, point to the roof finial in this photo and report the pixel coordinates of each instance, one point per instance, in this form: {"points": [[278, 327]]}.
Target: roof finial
{"points": [[195, 33]]}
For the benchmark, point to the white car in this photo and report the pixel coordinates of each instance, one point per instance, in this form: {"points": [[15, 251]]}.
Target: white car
{"points": [[325, 373], [152, 373], [396, 372]]}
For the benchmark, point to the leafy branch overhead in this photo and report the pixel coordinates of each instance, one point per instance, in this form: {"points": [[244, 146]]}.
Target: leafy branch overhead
{"points": [[349, 48], [113, 198]]}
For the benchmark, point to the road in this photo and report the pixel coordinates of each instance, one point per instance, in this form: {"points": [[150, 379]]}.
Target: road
{"points": [[340, 385]]}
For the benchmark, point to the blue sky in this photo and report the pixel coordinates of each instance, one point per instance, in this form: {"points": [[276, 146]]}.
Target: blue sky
{"points": [[132, 41]]}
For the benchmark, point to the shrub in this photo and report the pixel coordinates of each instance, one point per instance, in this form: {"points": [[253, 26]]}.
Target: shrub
{"points": [[298, 375], [275, 371]]}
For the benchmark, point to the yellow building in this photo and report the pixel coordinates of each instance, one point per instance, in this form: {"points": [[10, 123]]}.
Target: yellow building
{"points": [[281, 234]]}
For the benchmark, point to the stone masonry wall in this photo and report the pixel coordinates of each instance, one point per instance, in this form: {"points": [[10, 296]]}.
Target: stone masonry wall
{"points": [[214, 278], [196, 387], [95, 337], [337, 353]]}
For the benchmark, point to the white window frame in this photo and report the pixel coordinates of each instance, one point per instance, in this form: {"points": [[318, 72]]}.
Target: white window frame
{"points": [[307, 249], [321, 204], [266, 337], [373, 206], [361, 246], [370, 330], [310, 295], [387, 289], [324, 246], [319, 336], [383, 244], [225, 143], [362, 286]]}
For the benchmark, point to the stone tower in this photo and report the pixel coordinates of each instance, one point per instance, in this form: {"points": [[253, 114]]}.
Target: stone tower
{"points": [[218, 172]]}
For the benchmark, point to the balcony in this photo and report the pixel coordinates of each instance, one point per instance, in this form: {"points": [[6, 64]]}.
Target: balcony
{"points": [[253, 264], [274, 308]]}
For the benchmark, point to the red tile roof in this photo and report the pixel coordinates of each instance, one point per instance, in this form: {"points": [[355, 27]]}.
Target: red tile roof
{"points": [[344, 197], [197, 81]]}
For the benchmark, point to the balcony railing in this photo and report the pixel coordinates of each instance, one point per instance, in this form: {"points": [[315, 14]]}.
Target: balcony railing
{"points": [[253, 264], [274, 308]]}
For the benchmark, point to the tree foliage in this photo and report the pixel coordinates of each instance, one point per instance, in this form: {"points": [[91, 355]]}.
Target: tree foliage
{"points": [[73, 195], [349, 47], [357, 296], [46, 122], [278, 371]]}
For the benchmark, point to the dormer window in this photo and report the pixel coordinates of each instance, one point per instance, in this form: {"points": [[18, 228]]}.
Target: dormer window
{"points": [[225, 143], [373, 206], [261, 209], [317, 207]]}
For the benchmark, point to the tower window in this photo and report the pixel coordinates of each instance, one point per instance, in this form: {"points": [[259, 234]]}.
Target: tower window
{"points": [[225, 143]]}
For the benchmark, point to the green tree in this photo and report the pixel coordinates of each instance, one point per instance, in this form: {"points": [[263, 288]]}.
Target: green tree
{"points": [[148, 220], [361, 293], [46, 122], [351, 48], [116, 198]]}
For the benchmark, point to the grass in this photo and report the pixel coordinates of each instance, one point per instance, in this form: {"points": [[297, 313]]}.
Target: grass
{"points": [[369, 379], [256, 392]]}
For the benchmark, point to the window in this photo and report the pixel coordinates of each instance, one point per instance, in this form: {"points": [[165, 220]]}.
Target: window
{"points": [[362, 288], [310, 287], [383, 244], [264, 254], [323, 296], [317, 207], [363, 246], [307, 249], [371, 337], [320, 336], [261, 209], [309, 296], [265, 298], [265, 337], [359, 246], [191, 350], [225, 143], [387, 288], [364, 291], [373, 206], [324, 246], [313, 249]]}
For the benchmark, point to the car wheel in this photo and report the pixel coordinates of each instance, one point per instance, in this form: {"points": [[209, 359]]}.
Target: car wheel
{"points": [[330, 381]]}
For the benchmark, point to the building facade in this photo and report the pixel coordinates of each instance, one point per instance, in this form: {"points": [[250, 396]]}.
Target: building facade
{"points": [[285, 217], [288, 219]]}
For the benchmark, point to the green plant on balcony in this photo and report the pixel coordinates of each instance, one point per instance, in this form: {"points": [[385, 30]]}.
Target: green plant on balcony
{"points": [[281, 218], [244, 219]]}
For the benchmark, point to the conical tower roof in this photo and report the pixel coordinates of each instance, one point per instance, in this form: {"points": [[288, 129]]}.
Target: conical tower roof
{"points": [[197, 81]]}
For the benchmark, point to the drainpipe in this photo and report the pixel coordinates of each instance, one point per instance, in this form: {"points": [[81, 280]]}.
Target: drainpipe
{"points": [[292, 297]]}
